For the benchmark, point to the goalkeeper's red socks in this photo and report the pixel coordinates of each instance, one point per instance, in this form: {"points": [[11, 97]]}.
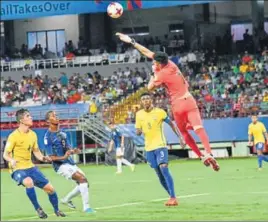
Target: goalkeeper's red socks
{"points": [[203, 136], [189, 140]]}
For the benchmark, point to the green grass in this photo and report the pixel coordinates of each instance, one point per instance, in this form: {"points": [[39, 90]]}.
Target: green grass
{"points": [[237, 192]]}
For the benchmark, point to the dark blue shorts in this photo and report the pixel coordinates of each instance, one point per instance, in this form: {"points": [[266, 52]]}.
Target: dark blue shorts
{"points": [[157, 157], [259, 146], [34, 173]]}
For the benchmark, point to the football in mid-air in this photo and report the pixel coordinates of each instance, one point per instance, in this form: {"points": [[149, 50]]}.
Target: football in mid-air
{"points": [[115, 10]]}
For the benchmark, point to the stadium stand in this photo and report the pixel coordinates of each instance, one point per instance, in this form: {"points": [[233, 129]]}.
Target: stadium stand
{"points": [[224, 86]]}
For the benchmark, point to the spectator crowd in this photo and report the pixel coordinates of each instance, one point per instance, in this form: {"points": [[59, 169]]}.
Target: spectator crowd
{"points": [[42, 90], [224, 86]]}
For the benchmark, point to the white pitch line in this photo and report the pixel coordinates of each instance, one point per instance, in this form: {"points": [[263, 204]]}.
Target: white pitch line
{"points": [[261, 192], [118, 206], [182, 179], [122, 182], [243, 193]]}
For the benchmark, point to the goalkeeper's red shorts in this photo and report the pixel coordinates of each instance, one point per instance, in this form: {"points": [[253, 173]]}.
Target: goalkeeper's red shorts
{"points": [[186, 114]]}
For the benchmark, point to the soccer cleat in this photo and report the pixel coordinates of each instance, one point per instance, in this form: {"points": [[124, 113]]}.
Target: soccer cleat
{"points": [[214, 164], [41, 213], [205, 160], [172, 202], [132, 167], [209, 160], [60, 214], [69, 204], [89, 210], [118, 172]]}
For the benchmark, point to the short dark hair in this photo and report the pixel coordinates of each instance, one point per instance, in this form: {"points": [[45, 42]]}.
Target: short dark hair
{"points": [[20, 113], [145, 94], [161, 57], [48, 114]]}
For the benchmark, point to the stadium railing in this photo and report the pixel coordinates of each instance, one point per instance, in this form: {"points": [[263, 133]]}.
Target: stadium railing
{"points": [[30, 64], [68, 117]]}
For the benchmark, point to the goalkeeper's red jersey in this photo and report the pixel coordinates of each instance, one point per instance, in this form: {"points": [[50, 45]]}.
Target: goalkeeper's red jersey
{"points": [[172, 79]]}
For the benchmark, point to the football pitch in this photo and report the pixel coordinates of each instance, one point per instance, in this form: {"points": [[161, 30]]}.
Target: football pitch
{"points": [[237, 192]]}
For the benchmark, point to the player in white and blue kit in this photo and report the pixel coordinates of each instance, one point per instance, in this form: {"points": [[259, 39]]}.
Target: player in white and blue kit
{"points": [[59, 150], [118, 141]]}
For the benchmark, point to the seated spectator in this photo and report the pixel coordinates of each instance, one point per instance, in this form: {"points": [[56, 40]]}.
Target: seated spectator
{"points": [[49, 55], [265, 97], [63, 80], [93, 109], [244, 68], [69, 56], [70, 46], [265, 80], [59, 99], [246, 58], [105, 57]]}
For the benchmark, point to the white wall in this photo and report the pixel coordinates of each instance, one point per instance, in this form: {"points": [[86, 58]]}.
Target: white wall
{"points": [[243, 9], [225, 12], [67, 22], [157, 19]]}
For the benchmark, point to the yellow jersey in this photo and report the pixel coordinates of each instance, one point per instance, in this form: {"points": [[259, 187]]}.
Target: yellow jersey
{"points": [[151, 124], [243, 68], [21, 145], [93, 108], [257, 130]]}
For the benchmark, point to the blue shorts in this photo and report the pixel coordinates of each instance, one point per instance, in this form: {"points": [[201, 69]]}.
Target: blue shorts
{"points": [[259, 146], [34, 173], [157, 157]]}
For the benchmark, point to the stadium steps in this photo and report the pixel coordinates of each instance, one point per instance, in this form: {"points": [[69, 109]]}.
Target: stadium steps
{"points": [[120, 111], [95, 128]]}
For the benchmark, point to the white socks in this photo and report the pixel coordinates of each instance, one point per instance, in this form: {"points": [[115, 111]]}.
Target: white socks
{"points": [[119, 165], [75, 192], [126, 162], [83, 187]]}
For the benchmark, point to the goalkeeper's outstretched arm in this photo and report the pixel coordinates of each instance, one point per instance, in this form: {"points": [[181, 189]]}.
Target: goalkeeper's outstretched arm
{"points": [[125, 38]]}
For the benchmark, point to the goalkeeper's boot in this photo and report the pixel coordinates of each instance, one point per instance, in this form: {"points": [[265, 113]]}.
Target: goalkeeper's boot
{"points": [[209, 160]]}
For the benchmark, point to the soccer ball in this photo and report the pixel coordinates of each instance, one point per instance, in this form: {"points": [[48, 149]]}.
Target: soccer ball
{"points": [[115, 10]]}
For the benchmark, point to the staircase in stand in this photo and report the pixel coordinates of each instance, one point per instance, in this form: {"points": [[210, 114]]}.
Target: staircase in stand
{"points": [[94, 128], [120, 112]]}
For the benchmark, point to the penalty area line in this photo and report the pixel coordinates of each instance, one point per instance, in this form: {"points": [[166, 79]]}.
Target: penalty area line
{"points": [[117, 206]]}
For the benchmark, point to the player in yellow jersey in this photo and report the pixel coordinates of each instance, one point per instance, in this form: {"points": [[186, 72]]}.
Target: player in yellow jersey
{"points": [[257, 130], [20, 145], [149, 121]]}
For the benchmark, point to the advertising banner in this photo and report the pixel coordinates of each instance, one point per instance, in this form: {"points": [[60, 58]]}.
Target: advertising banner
{"points": [[11, 10], [70, 111]]}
